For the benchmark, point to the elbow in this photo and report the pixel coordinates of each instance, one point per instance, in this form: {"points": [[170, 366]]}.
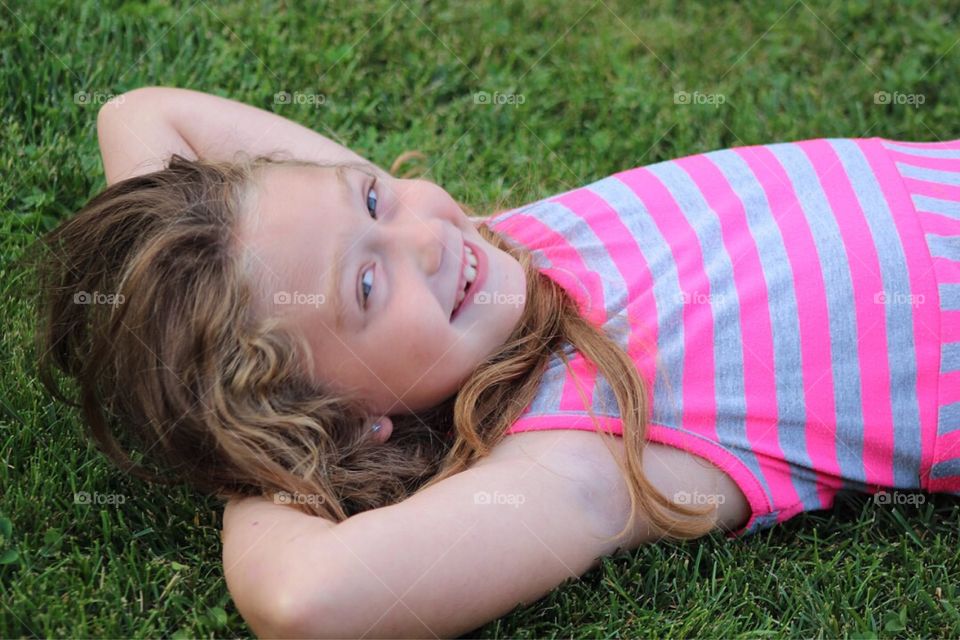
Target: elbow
{"points": [[281, 617], [283, 576], [343, 614], [300, 607], [276, 602], [284, 615]]}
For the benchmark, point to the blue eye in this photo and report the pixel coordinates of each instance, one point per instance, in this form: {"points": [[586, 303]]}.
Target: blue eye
{"points": [[372, 208], [365, 287], [372, 200]]}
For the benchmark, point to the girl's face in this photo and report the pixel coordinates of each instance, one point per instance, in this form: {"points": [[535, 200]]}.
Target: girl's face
{"points": [[368, 267]]}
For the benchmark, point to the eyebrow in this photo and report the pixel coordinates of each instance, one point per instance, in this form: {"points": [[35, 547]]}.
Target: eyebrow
{"points": [[337, 277]]}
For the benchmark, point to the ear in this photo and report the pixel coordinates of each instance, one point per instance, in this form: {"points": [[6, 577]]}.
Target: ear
{"points": [[386, 428]]}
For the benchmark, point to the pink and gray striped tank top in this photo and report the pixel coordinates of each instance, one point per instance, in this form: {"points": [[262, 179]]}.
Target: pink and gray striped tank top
{"points": [[794, 308]]}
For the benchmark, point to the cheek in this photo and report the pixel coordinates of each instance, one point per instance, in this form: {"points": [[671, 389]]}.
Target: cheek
{"points": [[414, 312]]}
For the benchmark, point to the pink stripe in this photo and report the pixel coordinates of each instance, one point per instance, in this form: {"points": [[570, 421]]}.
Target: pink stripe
{"points": [[876, 398], [925, 317], [817, 369], [938, 225], [931, 189], [581, 379], [949, 387], [578, 386], [948, 271], [926, 162], [625, 253], [798, 508], [950, 329], [535, 234], [759, 379], [948, 446], [949, 144], [699, 393], [578, 421], [948, 485], [566, 261]]}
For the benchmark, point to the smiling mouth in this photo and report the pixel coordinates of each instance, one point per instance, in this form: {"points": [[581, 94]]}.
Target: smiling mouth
{"points": [[469, 276]]}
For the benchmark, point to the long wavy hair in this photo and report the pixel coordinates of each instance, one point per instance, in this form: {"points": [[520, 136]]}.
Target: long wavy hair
{"points": [[145, 301]]}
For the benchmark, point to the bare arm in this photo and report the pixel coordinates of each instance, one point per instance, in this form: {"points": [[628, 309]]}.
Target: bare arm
{"points": [[141, 129], [444, 562]]}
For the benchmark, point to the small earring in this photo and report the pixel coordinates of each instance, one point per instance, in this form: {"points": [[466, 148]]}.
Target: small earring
{"points": [[376, 427]]}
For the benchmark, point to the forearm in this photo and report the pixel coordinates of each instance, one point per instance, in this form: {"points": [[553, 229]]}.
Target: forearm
{"points": [[443, 562], [140, 130], [219, 127], [446, 560]]}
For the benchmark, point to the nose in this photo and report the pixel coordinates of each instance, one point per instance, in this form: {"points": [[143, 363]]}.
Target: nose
{"points": [[422, 238]]}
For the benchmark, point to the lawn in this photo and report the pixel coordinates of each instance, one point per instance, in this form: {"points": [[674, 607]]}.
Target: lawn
{"points": [[510, 102]]}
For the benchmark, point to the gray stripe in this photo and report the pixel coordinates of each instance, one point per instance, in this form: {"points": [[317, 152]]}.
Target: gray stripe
{"points": [[950, 208], [781, 296], [949, 419], [944, 246], [812, 203], [950, 297], [762, 522], [667, 388], [540, 260], [950, 357], [547, 398], [597, 260], [946, 469], [929, 175], [925, 153], [729, 399], [901, 350], [506, 215]]}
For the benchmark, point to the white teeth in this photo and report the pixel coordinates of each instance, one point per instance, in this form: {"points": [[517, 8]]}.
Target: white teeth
{"points": [[469, 274]]}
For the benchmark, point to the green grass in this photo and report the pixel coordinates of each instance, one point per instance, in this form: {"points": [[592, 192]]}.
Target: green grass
{"points": [[598, 81]]}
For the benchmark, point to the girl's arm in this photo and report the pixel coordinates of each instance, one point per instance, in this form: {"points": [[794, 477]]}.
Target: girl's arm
{"points": [[139, 130], [443, 562]]}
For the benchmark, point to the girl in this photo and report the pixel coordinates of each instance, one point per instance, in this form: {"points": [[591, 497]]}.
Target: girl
{"points": [[718, 342]]}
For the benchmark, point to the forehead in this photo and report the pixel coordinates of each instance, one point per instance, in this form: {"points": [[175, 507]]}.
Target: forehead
{"points": [[294, 216], [282, 186]]}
